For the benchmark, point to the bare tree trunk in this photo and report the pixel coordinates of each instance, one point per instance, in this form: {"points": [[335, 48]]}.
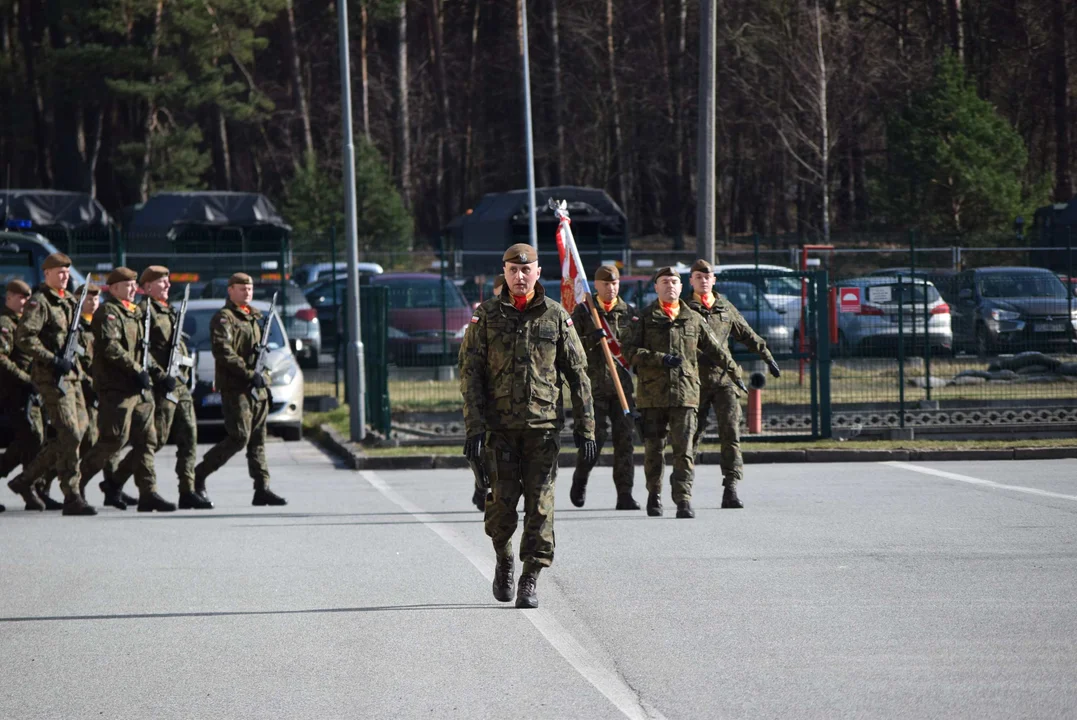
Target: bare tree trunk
{"points": [[300, 95], [27, 31], [445, 190], [469, 114], [222, 155], [681, 179], [824, 150], [1063, 178], [364, 79], [403, 121], [615, 102], [151, 109], [92, 152], [957, 30], [558, 111]]}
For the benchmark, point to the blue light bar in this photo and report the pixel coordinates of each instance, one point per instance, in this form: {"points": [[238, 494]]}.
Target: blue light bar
{"points": [[15, 224]]}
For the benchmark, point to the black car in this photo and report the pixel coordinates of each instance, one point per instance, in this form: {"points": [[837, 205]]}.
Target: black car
{"points": [[1011, 309]]}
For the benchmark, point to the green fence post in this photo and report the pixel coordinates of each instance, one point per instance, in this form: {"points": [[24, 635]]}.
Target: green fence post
{"points": [[901, 353], [822, 350], [337, 307], [810, 314], [121, 248], [927, 339], [444, 316]]}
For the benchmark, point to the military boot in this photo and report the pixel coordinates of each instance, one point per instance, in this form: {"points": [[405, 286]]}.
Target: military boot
{"points": [[265, 496], [684, 509], [625, 501], [32, 502], [504, 577], [730, 501], [127, 499], [193, 501], [2, 508], [578, 493], [654, 505], [200, 488], [526, 596], [75, 505], [49, 503], [113, 498], [152, 502]]}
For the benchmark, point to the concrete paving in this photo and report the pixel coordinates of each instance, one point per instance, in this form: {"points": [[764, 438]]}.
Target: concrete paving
{"points": [[853, 590]]}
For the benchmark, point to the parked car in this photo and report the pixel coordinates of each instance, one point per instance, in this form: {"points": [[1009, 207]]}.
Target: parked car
{"points": [[300, 319], [306, 275], [775, 326], [1014, 309], [637, 290], [286, 383], [874, 327], [21, 255], [945, 281], [784, 293], [416, 333]]}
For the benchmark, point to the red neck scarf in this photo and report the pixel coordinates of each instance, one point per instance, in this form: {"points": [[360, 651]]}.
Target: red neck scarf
{"points": [[608, 306], [671, 309]]}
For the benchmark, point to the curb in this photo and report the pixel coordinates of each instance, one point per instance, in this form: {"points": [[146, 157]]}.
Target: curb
{"points": [[353, 457]]}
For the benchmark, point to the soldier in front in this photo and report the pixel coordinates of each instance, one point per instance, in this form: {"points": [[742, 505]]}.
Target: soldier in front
{"points": [[523, 346]]}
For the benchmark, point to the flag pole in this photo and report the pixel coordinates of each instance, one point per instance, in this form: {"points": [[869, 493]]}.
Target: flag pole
{"points": [[561, 211]]}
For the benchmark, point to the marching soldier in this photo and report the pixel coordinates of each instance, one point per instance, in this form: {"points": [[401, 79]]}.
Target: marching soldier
{"points": [[717, 390], [235, 332], [174, 408], [17, 392], [616, 313], [662, 345], [42, 334], [123, 387], [522, 346], [478, 468]]}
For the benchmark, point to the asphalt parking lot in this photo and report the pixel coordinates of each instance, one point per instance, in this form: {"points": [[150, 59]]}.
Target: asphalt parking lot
{"points": [[853, 590]]}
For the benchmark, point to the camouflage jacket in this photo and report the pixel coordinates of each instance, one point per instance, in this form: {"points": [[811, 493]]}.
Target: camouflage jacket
{"points": [[597, 370], [726, 322], [86, 340], [163, 318], [117, 330], [653, 335], [43, 330], [235, 335], [14, 363], [515, 365]]}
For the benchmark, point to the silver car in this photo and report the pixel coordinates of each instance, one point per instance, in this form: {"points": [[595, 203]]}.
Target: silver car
{"points": [[868, 319], [286, 383]]}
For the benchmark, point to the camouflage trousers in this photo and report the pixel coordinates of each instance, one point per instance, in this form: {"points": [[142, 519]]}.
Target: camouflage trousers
{"points": [[122, 417], [66, 413], [522, 463], [624, 469], [89, 439], [478, 468], [29, 434], [245, 423], [679, 425], [726, 403], [170, 419]]}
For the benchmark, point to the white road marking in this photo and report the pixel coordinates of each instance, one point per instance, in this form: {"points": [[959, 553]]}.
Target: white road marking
{"points": [[606, 681], [977, 481]]}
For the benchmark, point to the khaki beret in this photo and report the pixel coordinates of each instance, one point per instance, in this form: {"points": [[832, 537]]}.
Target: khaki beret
{"points": [[520, 253], [121, 274], [608, 273], [240, 279], [153, 272], [91, 290], [662, 272], [702, 266], [56, 260], [19, 288]]}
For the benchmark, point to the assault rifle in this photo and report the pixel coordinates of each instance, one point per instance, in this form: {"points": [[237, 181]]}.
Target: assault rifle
{"points": [[146, 340], [262, 348], [176, 359], [71, 343]]}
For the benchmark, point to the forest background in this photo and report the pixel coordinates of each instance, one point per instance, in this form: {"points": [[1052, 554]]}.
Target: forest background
{"points": [[843, 116]]}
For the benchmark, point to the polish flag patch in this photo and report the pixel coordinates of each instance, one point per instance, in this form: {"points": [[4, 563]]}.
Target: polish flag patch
{"points": [[570, 322], [474, 319]]}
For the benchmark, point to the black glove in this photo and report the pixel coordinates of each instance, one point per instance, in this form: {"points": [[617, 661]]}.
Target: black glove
{"points": [[740, 383], [168, 384], [597, 335], [637, 420], [774, 369], [62, 367], [258, 381], [589, 448], [144, 380], [473, 447], [672, 361]]}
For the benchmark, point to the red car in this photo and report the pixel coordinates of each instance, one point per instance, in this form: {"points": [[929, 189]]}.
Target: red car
{"points": [[420, 332]]}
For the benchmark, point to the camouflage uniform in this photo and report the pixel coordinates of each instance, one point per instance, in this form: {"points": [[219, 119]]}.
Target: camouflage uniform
{"points": [[125, 411], [15, 392], [607, 404], [513, 372], [478, 468], [717, 390], [170, 417], [668, 397], [235, 335], [41, 335]]}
